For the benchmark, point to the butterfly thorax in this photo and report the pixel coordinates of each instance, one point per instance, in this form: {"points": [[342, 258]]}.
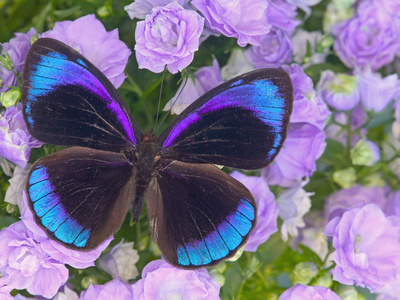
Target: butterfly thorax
{"points": [[145, 160]]}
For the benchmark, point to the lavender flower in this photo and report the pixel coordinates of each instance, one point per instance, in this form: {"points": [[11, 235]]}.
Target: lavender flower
{"points": [[303, 41], [24, 264], [88, 36], [16, 142], [308, 107], [293, 204], [304, 144], [17, 48], [238, 64], [168, 37], [376, 92], [367, 247], [371, 38], [245, 20], [339, 90], [282, 14], [300, 291], [275, 50], [140, 8], [355, 197], [114, 289], [392, 207], [160, 280], [120, 261], [55, 250], [206, 78], [17, 185], [267, 215]]}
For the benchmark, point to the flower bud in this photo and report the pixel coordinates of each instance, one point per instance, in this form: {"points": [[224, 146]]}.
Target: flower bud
{"points": [[346, 178], [10, 98], [304, 272], [6, 62], [364, 153]]}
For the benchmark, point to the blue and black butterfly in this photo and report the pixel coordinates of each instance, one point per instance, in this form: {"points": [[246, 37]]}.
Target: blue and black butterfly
{"points": [[198, 214]]}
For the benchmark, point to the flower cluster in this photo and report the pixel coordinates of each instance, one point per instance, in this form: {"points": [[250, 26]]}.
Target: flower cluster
{"points": [[328, 206]]}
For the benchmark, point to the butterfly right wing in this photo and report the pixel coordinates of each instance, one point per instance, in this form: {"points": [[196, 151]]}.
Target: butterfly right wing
{"points": [[80, 196], [68, 101]]}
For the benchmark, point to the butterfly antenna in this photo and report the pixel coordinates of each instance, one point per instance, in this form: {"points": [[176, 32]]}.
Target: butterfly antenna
{"points": [[177, 97], [159, 97]]}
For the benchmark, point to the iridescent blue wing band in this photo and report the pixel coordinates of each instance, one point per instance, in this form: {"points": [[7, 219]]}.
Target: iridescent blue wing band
{"points": [[198, 214], [80, 196], [68, 101], [241, 123]]}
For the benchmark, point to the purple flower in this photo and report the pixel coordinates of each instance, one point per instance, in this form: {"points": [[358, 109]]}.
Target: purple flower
{"points": [[24, 264], [371, 38], [245, 20], [238, 64], [301, 291], [160, 280], [17, 48], [88, 36], [281, 14], [140, 8], [267, 215], [355, 197], [17, 185], [367, 247], [275, 50], [339, 90], [377, 92], [304, 144], [308, 107], [55, 250], [114, 289], [16, 142], [302, 41], [168, 37], [392, 207], [190, 90]]}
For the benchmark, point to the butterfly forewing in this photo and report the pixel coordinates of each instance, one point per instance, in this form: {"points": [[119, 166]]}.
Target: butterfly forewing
{"points": [[198, 214], [241, 123], [80, 196], [68, 101]]}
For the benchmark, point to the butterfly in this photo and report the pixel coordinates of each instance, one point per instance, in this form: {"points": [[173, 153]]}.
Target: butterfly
{"points": [[198, 214]]}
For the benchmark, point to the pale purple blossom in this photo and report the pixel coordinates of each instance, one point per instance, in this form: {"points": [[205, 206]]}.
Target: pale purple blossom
{"points": [[168, 37], [392, 207], [141, 8], [17, 48], [120, 261], [55, 250], [367, 247], [267, 209], [301, 291], [160, 280], [339, 90], [17, 185], [25, 265], [6, 166], [114, 289], [238, 64], [304, 4], [308, 106], [282, 14], [275, 49], [293, 204], [245, 20], [190, 90], [304, 144], [377, 92], [88, 36], [370, 39], [355, 197], [302, 42], [16, 142]]}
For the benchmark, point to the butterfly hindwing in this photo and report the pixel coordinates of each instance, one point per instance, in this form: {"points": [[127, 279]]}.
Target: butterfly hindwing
{"points": [[241, 123], [68, 101], [80, 196], [198, 214]]}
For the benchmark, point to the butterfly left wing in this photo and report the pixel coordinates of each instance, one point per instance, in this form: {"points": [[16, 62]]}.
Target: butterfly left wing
{"points": [[198, 214], [80, 196], [242, 123]]}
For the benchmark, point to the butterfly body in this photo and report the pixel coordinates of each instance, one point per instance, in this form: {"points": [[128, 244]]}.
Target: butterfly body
{"points": [[198, 214]]}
